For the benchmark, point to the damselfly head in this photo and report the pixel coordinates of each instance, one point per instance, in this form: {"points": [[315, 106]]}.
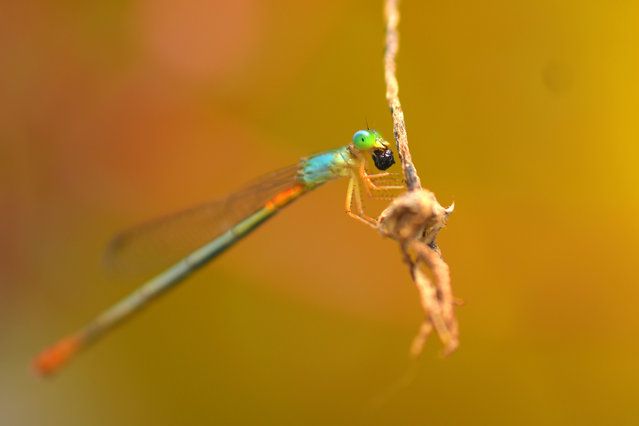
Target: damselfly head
{"points": [[365, 140]]}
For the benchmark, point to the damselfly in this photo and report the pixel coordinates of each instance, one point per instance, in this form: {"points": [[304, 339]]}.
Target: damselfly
{"points": [[220, 224]]}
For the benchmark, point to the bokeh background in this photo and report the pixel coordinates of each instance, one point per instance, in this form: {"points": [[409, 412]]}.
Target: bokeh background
{"points": [[522, 113]]}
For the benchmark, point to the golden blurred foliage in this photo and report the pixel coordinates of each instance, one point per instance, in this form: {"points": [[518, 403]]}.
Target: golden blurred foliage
{"points": [[523, 113]]}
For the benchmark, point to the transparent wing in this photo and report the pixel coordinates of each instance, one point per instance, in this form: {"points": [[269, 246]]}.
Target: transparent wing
{"points": [[156, 245]]}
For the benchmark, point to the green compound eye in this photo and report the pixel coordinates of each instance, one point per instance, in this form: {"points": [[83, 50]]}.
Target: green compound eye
{"points": [[364, 139]]}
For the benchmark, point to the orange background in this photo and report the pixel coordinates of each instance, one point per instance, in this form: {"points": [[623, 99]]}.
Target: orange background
{"points": [[525, 115]]}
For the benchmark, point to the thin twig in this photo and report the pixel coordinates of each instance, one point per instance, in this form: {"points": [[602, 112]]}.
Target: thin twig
{"points": [[392, 88], [415, 218]]}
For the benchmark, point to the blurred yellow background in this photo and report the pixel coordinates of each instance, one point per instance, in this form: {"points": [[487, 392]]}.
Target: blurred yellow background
{"points": [[523, 113]]}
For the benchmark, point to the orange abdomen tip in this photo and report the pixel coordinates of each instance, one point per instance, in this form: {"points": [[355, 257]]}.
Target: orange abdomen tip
{"points": [[56, 356]]}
